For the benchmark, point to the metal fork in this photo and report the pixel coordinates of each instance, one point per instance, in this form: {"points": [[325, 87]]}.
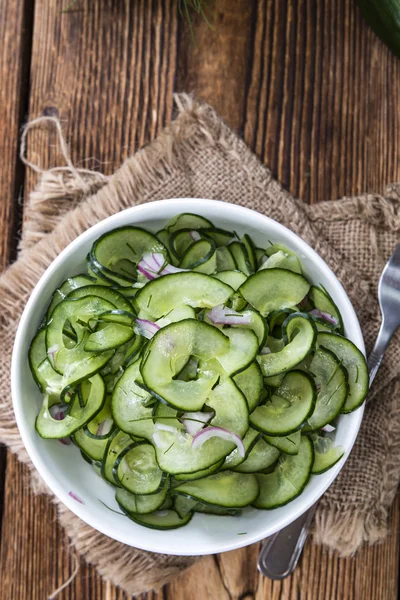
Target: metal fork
{"points": [[281, 552]]}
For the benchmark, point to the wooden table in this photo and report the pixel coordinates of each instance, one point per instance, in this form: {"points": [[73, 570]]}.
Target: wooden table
{"points": [[315, 95]]}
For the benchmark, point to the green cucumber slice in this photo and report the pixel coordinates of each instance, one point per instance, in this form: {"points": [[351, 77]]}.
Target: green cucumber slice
{"points": [[184, 505], [117, 442], [251, 251], [130, 405], [289, 444], [162, 519], [180, 313], [331, 380], [87, 439], [174, 450], [250, 383], [290, 406], [225, 260], [102, 291], [108, 336], [200, 474], [242, 350], [70, 284], [48, 380], [234, 459], [75, 363], [181, 241], [161, 295], [170, 349], [187, 221], [261, 457], [322, 300], [220, 237], [288, 479], [354, 362], [116, 253], [273, 289], [93, 392], [200, 257], [326, 455], [241, 257], [301, 334], [137, 470], [281, 259], [227, 489], [142, 504], [231, 277]]}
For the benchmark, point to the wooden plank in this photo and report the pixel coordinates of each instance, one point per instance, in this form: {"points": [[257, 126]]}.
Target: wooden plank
{"points": [[322, 107], [107, 71], [15, 34]]}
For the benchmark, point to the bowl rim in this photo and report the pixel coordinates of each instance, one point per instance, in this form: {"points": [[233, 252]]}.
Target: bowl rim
{"points": [[19, 353]]}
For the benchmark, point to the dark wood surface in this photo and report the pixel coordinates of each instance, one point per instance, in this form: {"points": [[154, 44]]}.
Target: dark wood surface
{"points": [[314, 94]]}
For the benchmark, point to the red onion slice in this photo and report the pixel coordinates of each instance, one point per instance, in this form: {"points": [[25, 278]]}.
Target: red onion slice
{"points": [[324, 315], [75, 497], [146, 328], [154, 265], [104, 427], [195, 235], [222, 315], [51, 352], [328, 428], [65, 441], [210, 432], [57, 412], [195, 421]]}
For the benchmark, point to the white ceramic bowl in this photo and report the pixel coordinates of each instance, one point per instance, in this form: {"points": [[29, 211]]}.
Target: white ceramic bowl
{"points": [[62, 467]]}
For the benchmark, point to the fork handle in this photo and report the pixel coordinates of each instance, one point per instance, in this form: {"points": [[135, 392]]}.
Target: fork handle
{"points": [[375, 358]]}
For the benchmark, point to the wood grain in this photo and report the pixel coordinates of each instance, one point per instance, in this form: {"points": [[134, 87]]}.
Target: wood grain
{"points": [[315, 94]]}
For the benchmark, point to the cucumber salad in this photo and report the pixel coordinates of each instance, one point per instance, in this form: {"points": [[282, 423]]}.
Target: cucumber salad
{"points": [[195, 371]]}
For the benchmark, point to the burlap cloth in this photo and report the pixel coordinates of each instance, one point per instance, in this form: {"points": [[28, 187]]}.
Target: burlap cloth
{"points": [[199, 156]]}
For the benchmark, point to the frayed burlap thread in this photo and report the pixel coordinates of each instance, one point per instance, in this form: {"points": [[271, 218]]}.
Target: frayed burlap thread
{"points": [[197, 155]]}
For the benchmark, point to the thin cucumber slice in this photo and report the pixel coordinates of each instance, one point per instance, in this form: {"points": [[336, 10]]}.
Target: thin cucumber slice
{"points": [[177, 314], [161, 295], [75, 363], [251, 251], [225, 260], [184, 505], [48, 380], [176, 343], [165, 239], [273, 289], [290, 406], [130, 405], [323, 302], [257, 324], [289, 444], [275, 380], [70, 284], [288, 479], [221, 237], [227, 489], [92, 448], [301, 335], [282, 260], [250, 383], [90, 438], [93, 393], [187, 221], [354, 362], [108, 336], [326, 455], [181, 241], [137, 470], [116, 253], [234, 458], [142, 504], [242, 350], [102, 291], [174, 448], [162, 519], [200, 257], [261, 457], [237, 302], [200, 474], [241, 257], [331, 380], [117, 442], [231, 277]]}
